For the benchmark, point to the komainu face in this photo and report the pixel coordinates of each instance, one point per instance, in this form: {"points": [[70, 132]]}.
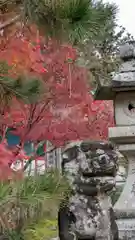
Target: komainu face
{"points": [[90, 159]]}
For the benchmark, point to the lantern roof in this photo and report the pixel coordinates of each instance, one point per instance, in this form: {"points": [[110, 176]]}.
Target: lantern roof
{"points": [[124, 79]]}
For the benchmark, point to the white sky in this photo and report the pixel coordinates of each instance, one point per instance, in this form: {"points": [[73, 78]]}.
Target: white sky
{"points": [[126, 15]]}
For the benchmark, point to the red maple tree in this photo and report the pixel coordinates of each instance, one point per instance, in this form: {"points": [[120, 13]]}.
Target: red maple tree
{"points": [[67, 111]]}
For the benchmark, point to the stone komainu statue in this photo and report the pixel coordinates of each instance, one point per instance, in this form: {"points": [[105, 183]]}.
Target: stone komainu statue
{"points": [[90, 168]]}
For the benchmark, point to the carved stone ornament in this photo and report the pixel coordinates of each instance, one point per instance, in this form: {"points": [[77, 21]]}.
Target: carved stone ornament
{"points": [[123, 79], [127, 51], [90, 168], [125, 108]]}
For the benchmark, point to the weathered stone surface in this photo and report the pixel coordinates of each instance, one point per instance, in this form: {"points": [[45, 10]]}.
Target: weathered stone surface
{"points": [[127, 66], [125, 206], [122, 134], [127, 229], [123, 77], [90, 168], [126, 73], [127, 51], [125, 109]]}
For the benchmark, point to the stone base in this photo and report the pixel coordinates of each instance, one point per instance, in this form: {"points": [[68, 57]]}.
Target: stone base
{"points": [[126, 229]]}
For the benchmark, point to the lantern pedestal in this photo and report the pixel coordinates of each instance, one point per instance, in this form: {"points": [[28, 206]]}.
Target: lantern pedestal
{"points": [[124, 208]]}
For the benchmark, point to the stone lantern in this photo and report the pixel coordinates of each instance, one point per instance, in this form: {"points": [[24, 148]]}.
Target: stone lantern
{"points": [[122, 91]]}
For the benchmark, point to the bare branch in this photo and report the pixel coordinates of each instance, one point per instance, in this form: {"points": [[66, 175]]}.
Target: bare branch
{"points": [[9, 22]]}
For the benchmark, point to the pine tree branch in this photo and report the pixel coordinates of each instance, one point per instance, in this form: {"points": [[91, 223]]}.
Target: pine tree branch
{"points": [[9, 22]]}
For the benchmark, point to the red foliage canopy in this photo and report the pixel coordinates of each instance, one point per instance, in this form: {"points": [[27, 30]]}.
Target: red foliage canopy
{"points": [[68, 112]]}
